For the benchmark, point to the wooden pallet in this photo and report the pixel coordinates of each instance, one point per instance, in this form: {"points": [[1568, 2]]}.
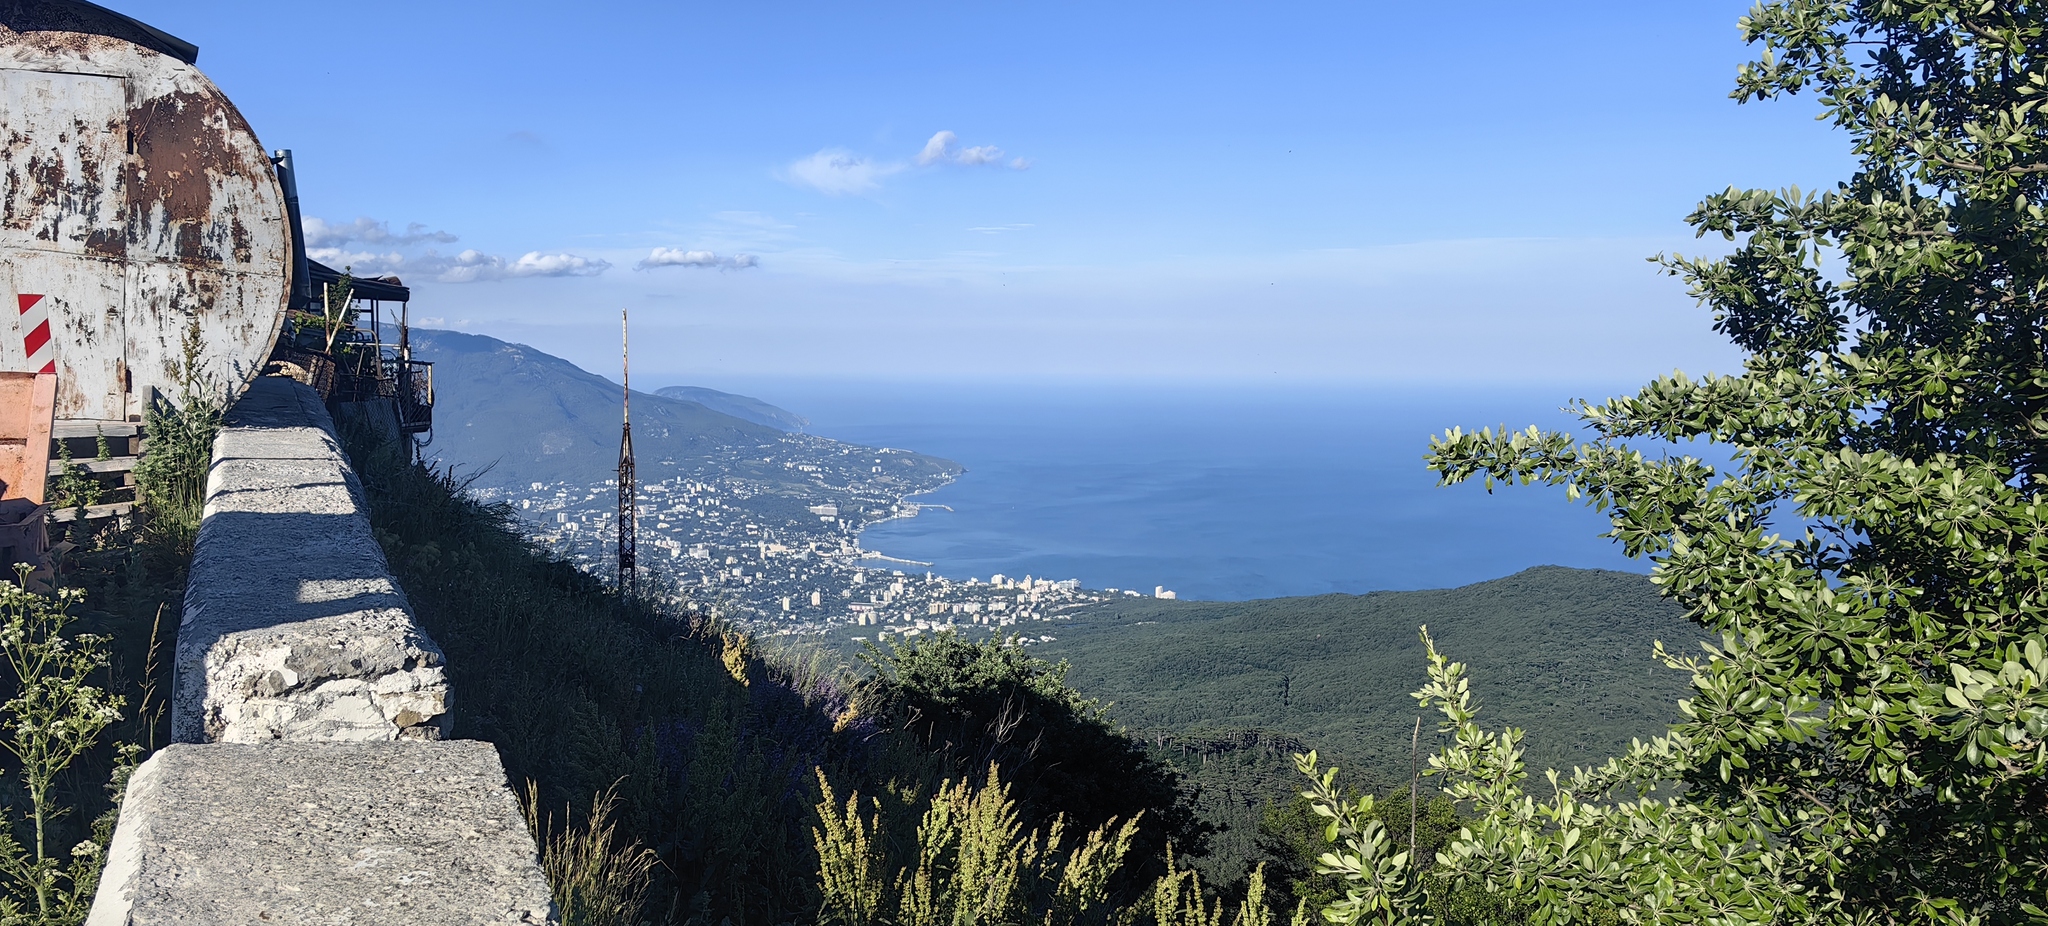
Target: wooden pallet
{"points": [[116, 474]]}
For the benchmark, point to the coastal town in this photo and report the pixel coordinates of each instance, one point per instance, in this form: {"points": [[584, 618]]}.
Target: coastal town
{"points": [[741, 549]]}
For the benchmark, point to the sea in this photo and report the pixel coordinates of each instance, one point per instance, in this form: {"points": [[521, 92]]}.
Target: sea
{"points": [[1216, 492]]}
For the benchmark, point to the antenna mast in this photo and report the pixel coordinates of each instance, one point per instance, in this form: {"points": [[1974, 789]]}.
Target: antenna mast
{"points": [[629, 576]]}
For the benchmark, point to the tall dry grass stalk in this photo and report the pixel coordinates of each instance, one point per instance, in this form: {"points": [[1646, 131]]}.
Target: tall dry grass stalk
{"points": [[599, 878], [973, 863], [1179, 900]]}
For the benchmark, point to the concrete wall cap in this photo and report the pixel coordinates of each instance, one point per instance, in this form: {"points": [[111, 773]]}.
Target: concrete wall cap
{"points": [[367, 834]]}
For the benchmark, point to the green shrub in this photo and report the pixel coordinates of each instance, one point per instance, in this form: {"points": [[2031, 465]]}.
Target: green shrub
{"points": [[973, 860], [72, 488], [170, 478], [977, 703]]}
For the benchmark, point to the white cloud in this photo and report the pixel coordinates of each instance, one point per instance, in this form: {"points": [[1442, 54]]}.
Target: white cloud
{"points": [[677, 257], [467, 267], [361, 263], [1000, 229], [383, 251], [939, 150], [536, 264], [321, 233], [474, 266], [836, 171], [975, 157], [935, 150]]}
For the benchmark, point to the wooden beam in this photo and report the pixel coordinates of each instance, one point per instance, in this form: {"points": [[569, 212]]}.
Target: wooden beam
{"points": [[109, 465], [71, 428], [92, 513]]}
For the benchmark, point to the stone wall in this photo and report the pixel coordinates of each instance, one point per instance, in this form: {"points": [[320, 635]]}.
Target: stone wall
{"points": [[313, 780], [293, 628]]}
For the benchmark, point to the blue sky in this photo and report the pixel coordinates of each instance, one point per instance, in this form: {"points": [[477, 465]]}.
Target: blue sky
{"points": [[1275, 192]]}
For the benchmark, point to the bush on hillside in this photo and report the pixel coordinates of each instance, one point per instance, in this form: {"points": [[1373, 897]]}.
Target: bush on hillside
{"points": [[1293, 836], [978, 703]]}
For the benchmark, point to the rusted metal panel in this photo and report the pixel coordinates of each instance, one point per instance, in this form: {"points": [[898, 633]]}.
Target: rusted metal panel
{"points": [[26, 404], [136, 201]]}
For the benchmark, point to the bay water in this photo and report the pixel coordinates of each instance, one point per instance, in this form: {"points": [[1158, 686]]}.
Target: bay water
{"points": [[1215, 492]]}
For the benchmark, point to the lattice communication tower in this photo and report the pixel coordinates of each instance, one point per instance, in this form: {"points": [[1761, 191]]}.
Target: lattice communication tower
{"points": [[629, 509]]}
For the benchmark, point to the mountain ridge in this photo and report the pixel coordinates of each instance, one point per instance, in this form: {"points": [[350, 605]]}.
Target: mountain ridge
{"points": [[517, 415], [745, 408]]}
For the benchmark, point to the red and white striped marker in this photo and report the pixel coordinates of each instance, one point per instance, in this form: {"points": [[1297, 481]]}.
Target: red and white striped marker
{"points": [[35, 338]]}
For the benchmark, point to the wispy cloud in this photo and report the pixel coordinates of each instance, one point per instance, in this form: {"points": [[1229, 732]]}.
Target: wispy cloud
{"points": [[1000, 229], [751, 219], [361, 263], [474, 266], [836, 172], [839, 172], [383, 251], [940, 149], [324, 234], [677, 257], [470, 266]]}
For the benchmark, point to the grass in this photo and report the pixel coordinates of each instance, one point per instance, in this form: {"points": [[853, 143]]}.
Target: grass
{"points": [[708, 745], [599, 877]]}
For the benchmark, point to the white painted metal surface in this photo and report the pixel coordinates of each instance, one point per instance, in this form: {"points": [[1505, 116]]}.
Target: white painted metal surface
{"points": [[135, 199]]}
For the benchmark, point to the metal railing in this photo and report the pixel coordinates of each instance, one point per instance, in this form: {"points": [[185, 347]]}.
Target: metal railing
{"points": [[414, 389], [362, 367]]}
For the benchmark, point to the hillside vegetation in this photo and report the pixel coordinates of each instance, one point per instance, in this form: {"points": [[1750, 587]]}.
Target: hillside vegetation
{"points": [[1229, 691], [711, 750], [1569, 653]]}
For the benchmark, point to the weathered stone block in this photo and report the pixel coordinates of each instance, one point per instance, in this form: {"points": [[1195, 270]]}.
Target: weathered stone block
{"points": [[364, 834], [293, 628]]}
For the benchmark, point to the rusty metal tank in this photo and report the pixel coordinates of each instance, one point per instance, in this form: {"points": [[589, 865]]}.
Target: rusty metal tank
{"points": [[135, 204]]}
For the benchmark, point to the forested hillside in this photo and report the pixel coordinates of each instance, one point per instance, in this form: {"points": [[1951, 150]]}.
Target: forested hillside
{"points": [[1567, 653], [1229, 691]]}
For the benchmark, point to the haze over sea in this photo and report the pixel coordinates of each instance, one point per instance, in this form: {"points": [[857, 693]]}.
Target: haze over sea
{"points": [[1214, 492]]}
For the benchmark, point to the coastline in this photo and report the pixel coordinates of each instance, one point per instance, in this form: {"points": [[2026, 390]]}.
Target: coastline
{"points": [[915, 509]]}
